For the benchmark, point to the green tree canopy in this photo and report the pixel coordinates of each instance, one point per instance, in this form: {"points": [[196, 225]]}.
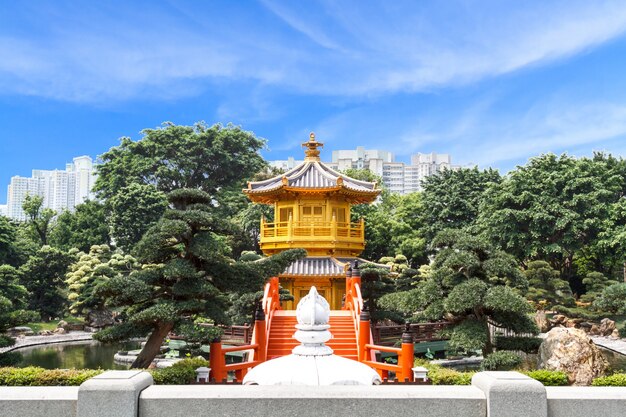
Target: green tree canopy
{"points": [[612, 299], [84, 227], [133, 210], [13, 302], [43, 276], [185, 272], [39, 218], [472, 284], [553, 207], [89, 272], [451, 199], [174, 157]]}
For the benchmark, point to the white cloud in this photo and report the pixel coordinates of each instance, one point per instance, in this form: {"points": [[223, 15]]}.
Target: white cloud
{"points": [[352, 49]]}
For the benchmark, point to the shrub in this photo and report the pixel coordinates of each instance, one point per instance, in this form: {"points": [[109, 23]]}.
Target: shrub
{"points": [[501, 361], [181, 373], [615, 380], [578, 312], [525, 344], [10, 358], [35, 376], [549, 378], [622, 331], [446, 376]]}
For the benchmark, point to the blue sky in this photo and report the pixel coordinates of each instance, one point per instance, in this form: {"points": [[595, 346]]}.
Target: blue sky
{"points": [[490, 82]]}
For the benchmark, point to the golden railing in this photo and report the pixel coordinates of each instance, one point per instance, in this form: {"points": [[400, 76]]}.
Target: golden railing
{"points": [[293, 231]]}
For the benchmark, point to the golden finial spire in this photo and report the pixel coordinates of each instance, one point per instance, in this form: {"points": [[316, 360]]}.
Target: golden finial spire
{"points": [[312, 152]]}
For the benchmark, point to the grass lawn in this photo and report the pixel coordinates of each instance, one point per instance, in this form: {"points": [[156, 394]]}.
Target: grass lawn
{"points": [[51, 325]]}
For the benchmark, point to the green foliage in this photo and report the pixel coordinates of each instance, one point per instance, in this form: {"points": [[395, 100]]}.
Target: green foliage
{"points": [[181, 373], [470, 283], [43, 276], [13, 304], [553, 207], [612, 299], [81, 229], [577, 312], [501, 361], [439, 375], [89, 272], [133, 210], [35, 376], [8, 249], [185, 272], [521, 343], [39, 218], [393, 225], [595, 283], [549, 378], [622, 331], [451, 199], [9, 358], [615, 380], [546, 288], [174, 157]]}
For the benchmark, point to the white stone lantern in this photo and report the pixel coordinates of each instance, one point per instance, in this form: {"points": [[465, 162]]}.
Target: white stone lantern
{"points": [[202, 374], [312, 362], [420, 374]]}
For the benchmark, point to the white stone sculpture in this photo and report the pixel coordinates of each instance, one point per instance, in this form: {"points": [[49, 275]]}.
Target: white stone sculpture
{"points": [[312, 362]]}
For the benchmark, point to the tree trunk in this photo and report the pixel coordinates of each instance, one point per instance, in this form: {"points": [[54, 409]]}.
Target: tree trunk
{"points": [[152, 346]]}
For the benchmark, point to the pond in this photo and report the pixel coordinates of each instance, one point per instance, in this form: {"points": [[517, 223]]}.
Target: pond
{"points": [[80, 355]]}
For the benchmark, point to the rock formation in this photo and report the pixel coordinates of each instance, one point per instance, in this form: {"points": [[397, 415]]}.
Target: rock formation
{"points": [[573, 352]]}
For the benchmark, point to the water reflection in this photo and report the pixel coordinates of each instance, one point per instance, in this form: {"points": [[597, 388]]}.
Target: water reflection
{"points": [[81, 355]]}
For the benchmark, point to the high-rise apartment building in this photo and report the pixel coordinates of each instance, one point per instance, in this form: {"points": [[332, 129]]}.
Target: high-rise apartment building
{"points": [[398, 177], [61, 190]]}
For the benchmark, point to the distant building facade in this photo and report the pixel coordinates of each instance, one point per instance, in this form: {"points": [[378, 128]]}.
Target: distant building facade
{"points": [[398, 177], [61, 190], [4, 210]]}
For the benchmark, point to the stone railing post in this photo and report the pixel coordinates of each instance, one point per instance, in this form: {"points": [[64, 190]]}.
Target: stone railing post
{"points": [[512, 394], [112, 393]]}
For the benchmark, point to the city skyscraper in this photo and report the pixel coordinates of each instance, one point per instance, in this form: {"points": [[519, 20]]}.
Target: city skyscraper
{"points": [[61, 190]]}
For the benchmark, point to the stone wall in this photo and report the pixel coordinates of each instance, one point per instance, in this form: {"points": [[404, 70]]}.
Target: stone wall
{"points": [[132, 394]]}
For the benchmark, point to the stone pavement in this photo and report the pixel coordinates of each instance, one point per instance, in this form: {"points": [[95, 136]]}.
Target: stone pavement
{"points": [[618, 345]]}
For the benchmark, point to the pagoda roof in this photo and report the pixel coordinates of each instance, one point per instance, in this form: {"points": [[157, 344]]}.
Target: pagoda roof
{"points": [[323, 266], [312, 176]]}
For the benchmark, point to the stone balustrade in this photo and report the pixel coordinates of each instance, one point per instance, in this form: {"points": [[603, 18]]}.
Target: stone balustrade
{"points": [[132, 393]]}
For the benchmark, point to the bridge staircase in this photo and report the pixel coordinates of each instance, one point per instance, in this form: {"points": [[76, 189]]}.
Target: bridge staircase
{"points": [[272, 337]]}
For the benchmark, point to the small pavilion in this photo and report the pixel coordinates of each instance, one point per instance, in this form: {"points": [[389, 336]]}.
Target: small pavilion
{"points": [[312, 210]]}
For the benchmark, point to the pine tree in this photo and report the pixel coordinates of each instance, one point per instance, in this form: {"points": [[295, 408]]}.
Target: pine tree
{"points": [[186, 272]]}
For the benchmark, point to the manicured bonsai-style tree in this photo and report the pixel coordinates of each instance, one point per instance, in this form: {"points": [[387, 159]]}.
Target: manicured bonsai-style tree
{"points": [[185, 272], [546, 288], [471, 284]]}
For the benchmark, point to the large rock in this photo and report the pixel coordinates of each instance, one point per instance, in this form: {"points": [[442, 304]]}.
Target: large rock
{"points": [[20, 331], [100, 318], [606, 327], [573, 352]]}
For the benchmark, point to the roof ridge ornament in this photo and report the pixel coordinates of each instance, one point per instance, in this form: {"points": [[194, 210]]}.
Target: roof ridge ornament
{"points": [[312, 152]]}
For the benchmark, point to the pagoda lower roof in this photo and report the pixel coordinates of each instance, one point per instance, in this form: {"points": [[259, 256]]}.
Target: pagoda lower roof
{"points": [[312, 175], [322, 266]]}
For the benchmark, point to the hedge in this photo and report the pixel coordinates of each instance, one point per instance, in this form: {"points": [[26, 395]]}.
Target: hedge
{"points": [[181, 373], [521, 343], [615, 380], [35, 376], [501, 361], [549, 378]]}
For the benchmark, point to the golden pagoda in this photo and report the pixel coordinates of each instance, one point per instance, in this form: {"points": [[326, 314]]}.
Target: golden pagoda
{"points": [[312, 205]]}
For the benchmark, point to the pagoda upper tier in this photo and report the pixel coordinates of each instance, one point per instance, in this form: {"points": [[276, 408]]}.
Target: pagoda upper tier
{"points": [[312, 208]]}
